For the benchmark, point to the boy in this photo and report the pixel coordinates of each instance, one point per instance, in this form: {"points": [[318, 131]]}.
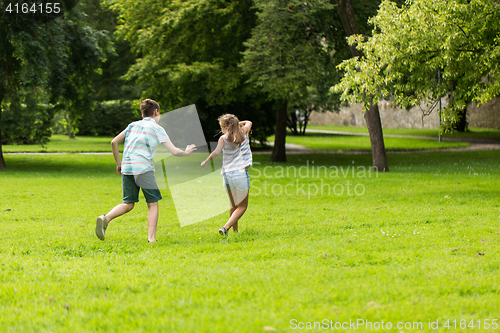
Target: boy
{"points": [[137, 168]]}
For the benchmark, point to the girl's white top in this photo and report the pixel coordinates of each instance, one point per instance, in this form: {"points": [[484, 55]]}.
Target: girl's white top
{"points": [[236, 157]]}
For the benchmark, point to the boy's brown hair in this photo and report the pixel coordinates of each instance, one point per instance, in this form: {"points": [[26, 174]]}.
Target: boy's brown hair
{"points": [[148, 107]]}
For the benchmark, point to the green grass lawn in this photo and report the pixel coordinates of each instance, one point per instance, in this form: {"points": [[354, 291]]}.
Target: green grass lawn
{"points": [[61, 143], [474, 132], [350, 142], [419, 243]]}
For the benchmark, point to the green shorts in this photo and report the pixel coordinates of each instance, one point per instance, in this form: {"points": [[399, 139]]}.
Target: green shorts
{"points": [[145, 181]]}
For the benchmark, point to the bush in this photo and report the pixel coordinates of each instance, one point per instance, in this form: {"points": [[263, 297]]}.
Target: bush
{"points": [[26, 123], [108, 118]]}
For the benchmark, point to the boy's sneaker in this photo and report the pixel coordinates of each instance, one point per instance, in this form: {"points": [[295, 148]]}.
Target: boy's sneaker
{"points": [[101, 226], [223, 231]]}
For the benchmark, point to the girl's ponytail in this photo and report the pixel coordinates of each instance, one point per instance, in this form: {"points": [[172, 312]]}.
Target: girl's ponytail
{"points": [[234, 132]]}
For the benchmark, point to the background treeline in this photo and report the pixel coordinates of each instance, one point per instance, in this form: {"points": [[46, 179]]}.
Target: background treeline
{"points": [[109, 55], [270, 61]]}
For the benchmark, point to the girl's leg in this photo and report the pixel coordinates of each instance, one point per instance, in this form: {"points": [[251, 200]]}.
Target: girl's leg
{"points": [[119, 210], [235, 225], [232, 208], [238, 212], [152, 220]]}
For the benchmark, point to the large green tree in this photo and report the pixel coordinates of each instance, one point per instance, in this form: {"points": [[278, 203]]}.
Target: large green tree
{"points": [[348, 15], [412, 43], [42, 61], [84, 49], [188, 53], [26, 58], [291, 55]]}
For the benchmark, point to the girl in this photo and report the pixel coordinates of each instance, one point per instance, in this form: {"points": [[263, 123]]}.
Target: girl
{"points": [[237, 157]]}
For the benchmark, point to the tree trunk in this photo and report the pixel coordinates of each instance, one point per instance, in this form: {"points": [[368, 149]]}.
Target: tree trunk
{"points": [[279, 150], [346, 12], [461, 125], [372, 117], [307, 114], [292, 123], [2, 161], [71, 135]]}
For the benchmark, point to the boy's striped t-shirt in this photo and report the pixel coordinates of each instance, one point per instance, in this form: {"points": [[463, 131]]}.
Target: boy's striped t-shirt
{"points": [[235, 157], [141, 140]]}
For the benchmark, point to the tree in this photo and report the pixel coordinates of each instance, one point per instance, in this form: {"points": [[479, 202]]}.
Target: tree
{"points": [[110, 86], [35, 54], [291, 55], [25, 59], [412, 43], [372, 115], [85, 50], [188, 53]]}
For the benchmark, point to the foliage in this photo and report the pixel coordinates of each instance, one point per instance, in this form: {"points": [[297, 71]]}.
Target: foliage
{"points": [[45, 66], [188, 53], [28, 53], [26, 123], [411, 43], [110, 85], [108, 118], [400, 252], [84, 49], [293, 52]]}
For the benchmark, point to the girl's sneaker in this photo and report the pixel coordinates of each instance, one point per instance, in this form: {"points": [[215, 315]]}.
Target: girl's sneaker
{"points": [[223, 231]]}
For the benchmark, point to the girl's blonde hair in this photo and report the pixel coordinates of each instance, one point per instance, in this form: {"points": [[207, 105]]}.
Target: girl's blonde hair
{"points": [[234, 131]]}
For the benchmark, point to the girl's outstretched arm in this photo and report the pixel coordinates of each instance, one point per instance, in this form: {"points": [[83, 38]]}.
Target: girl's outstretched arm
{"points": [[215, 153]]}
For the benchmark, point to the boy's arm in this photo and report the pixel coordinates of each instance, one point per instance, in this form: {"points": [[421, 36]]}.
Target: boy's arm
{"points": [[247, 126], [215, 153], [178, 152], [116, 152]]}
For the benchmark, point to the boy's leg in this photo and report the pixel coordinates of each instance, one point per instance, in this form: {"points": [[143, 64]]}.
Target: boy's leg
{"points": [[130, 196], [147, 182], [152, 220], [119, 210]]}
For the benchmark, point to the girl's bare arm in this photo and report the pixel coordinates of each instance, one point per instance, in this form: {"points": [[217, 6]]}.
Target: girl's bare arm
{"points": [[247, 126], [215, 153]]}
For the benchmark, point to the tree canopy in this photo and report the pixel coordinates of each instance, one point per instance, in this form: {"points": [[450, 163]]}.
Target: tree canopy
{"points": [[188, 53], [412, 43], [42, 60]]}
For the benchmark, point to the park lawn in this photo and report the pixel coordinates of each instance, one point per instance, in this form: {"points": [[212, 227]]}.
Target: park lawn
{"points": [[474, 132], [61, 143], [419, 243], [352, 142]]}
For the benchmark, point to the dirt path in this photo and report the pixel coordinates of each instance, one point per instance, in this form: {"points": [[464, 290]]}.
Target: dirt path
{"points": [[471, 140]]}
